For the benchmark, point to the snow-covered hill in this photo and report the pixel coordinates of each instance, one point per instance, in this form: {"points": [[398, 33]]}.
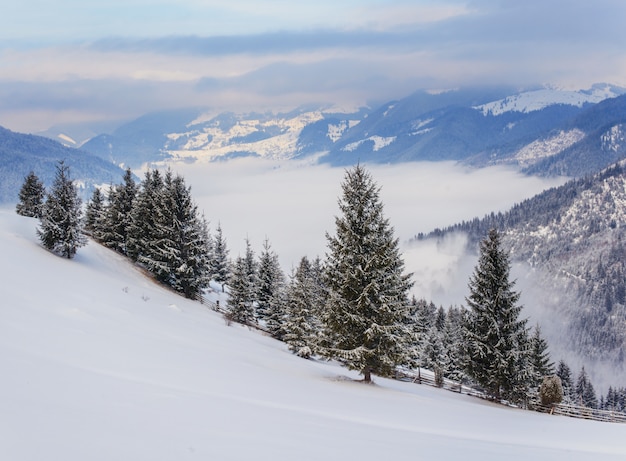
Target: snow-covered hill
{"points": [[99, 363], [529, 101], [22, 153]]}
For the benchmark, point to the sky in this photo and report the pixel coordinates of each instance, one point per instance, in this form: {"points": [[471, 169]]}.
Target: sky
{"points": [[74, 61], [100, 363]]}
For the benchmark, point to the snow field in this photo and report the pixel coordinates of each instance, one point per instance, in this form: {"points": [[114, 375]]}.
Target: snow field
{"points": [[100, 363]]}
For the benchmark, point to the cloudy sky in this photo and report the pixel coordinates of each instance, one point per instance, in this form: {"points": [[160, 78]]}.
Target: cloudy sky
{"points": [[82, 60]]}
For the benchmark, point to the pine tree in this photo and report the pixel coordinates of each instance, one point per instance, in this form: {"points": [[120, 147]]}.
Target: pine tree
{"points": [[496, 339], [541, 365], [31, 197], [240, 305], [94, 216], [452, 338], [271, 282], [178, 256], [564, 372], [252, 272], [367, 308], [61, 217], [319, 293], [301, 324], [189, 261], [220, 264], [585, 393], [117, 216], [148, 205], [433, 352]]}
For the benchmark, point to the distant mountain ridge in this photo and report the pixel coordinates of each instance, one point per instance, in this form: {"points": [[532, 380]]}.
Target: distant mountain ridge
{"points": [[22, 153], [540, 130]]}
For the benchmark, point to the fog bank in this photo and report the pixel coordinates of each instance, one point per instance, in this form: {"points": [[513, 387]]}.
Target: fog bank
{"points": [[293, 204]]}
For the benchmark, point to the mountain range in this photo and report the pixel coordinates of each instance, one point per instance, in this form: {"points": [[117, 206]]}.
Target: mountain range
{"points": [[541, 130]]}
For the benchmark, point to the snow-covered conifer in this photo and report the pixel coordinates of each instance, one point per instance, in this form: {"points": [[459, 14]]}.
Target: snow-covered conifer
{"points": [[496, 339], [31, 197], [585, 393], [117, 215], [301, 322], [367, 308], [452, 339], [220, 263], [240, 305], [564, 372], [61, 226], [540, 362], [178, 256], [271, 283], [142, 234], [94, 215]]}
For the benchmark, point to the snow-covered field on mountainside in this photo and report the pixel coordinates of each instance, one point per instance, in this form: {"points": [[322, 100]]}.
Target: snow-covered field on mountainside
{"points": [[99, 363]]}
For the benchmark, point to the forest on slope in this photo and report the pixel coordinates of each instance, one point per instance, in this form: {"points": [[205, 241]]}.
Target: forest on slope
{"points": [[571, 239]]}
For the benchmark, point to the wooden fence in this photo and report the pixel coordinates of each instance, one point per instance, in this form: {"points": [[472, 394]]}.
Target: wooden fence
{"points": [[576, 411]]}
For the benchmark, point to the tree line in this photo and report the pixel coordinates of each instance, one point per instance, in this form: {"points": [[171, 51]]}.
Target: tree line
{"points": [[353, 306]]}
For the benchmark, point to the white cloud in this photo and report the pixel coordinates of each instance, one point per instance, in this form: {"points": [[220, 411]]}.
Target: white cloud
{"points": [[293, 53]]}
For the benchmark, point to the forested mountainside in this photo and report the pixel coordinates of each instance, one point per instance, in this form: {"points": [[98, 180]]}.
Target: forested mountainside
{"points": [[573, 239], [22, 153], [604, 143]]}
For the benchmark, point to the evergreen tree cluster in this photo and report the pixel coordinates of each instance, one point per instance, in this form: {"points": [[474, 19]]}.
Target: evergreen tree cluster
{"points": [[59, 211], [573, 238], [157, 225], [352, 307]]}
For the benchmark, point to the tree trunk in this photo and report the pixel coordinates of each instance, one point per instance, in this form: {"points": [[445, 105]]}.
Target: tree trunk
{"points": [[367, 375]]}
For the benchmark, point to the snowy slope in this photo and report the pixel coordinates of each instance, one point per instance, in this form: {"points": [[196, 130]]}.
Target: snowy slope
{"points": [[529, 101], [99, 363], [279, 137]]}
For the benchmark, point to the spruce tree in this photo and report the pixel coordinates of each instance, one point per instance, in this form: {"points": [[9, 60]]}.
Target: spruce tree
{"points": [[94, 216], [564, 372], [496, 339], [189, 260], [61, 227], [252, 271], [271, 282], [541, 365], [452, 339], [142, 236], [240, 305], [31, 197], [220, 264], [319, 292], [366, 312], [178, 254], [301, 324], [117, 216], [585, 393], [432, 355]]}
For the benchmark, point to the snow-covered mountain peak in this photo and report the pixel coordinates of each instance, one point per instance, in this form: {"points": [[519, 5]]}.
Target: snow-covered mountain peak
{"points": [[529, 101]]}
